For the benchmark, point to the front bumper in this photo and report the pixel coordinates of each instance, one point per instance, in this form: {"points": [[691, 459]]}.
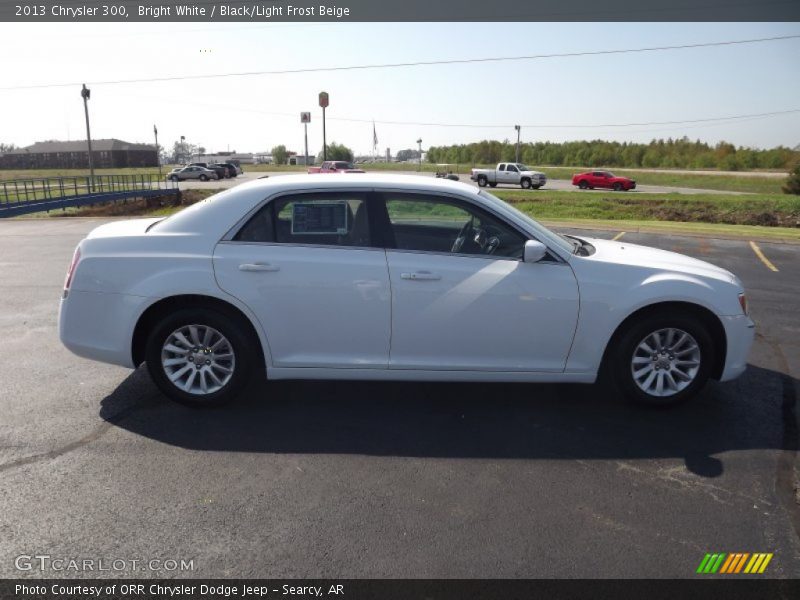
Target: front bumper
{"points": [[739, 333]]}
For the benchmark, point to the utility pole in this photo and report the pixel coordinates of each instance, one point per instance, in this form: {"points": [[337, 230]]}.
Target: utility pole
{"points": [[158, 154], [85, 94], [419, 144], [305, 119], [323, 102], [517, 127]]}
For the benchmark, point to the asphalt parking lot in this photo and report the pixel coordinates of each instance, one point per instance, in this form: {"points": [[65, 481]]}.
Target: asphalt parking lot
{"points": [[369, 479]]}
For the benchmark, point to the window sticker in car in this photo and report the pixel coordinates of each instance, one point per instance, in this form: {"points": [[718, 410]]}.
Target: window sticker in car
{"points": [[320, 217]]}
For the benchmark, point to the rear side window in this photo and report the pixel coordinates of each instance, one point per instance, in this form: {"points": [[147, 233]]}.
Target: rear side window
{"points": [[334, 219]]}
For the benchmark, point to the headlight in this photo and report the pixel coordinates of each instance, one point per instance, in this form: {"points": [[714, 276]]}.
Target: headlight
{"points": [[743, 303]]}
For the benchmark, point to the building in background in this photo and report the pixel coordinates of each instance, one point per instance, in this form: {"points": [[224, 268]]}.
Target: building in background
{"points": [[107, 154]]}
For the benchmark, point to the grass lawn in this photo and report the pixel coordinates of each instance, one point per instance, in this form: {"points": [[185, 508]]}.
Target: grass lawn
{"points": [[770, 210]]}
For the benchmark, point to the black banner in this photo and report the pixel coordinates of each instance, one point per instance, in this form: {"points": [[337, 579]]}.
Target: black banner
{"points": [[732, 588], [406, 10]]}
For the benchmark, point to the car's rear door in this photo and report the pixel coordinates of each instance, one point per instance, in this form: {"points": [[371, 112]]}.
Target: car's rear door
{"points": [[306, 265], [457, 307]]}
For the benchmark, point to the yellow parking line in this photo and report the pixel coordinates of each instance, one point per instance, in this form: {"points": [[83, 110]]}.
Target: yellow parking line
{"points": [[619, 235], [763, 258]]}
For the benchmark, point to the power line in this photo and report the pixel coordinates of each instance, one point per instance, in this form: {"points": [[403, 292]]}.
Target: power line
{"points": [[410, 64], [497, 125]]}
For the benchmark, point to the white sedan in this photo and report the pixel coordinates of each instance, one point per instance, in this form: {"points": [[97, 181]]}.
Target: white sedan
{"points": [[393, 278]]}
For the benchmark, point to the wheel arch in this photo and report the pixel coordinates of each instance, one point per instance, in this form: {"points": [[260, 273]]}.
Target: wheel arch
{"points": [[706, 316], [162, 307]]}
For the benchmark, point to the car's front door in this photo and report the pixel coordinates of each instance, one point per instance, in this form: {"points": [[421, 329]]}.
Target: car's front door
{"points": [[306, 265], [463, 299], [512, 174]]}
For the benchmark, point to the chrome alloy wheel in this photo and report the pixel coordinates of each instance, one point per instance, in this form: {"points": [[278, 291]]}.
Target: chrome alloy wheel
{"points": [[665, 362], [198, 359]]}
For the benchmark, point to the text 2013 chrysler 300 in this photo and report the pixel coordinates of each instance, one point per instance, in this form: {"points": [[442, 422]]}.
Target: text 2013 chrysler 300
{"points": [[393, 278]]}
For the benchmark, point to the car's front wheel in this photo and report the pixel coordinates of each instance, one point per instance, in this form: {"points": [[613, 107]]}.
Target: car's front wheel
{"points": [[663, 359], [203, 178], [617, 187], [200, 357], [525, 183]]}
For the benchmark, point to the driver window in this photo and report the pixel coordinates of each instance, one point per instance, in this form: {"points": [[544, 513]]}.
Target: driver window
{"points": [[433, 224]]}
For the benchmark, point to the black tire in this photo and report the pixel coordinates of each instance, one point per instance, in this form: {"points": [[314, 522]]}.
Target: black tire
{"points": [[525, 183], [203, 177], [482, 180], [583, 184], [617, 187], [493, 184], [174, 178], [621, 355], [536, 187], [244, 351]]}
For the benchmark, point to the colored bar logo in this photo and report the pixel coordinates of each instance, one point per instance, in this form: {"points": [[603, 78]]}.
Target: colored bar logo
{"points": [[735, 562]]}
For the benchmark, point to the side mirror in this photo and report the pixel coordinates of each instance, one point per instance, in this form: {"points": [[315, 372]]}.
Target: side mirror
{"points": [[534, 251]]}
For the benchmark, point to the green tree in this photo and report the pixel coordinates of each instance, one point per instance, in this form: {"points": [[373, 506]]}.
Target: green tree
{"points": [[337, 152], [279, 155], [792, 185]]}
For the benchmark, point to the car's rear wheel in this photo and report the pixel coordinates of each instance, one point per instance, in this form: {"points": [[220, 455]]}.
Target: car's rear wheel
{"points": [[203, 178], [584, 185], [663, 359], [174, 178], [617, 187], [525, 183], [200, 357], [482, 180]]}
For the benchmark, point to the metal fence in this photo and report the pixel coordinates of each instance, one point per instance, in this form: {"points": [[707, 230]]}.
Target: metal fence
{"points": [[24, 196]]}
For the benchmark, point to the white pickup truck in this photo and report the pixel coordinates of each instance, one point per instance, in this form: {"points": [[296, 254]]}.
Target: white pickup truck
{"points": [[513, 173]]}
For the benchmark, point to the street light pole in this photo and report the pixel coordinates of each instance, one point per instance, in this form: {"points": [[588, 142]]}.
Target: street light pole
{"points": [[85, 94], [517, 127], [158, 154], [419, 145]]}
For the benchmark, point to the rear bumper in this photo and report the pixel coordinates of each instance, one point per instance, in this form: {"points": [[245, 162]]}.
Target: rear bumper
{"points": [[739, 333], [100, 326]]}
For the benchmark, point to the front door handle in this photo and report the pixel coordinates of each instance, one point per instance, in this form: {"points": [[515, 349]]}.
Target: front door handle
{"points": [[420, 276], [263, 267]]}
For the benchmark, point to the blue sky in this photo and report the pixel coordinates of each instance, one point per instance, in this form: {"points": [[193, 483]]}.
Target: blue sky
{"points": [[257, 113]]}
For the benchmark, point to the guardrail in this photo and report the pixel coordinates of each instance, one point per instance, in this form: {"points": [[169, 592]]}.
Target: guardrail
{"points": [[25, 196]]}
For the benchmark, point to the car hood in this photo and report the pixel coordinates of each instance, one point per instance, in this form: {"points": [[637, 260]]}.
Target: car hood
{"points": [[537, 173], [124, 228], [655, 259]]}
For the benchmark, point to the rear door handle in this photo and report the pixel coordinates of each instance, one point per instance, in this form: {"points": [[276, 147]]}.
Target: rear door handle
{"points": [[421, 276], [265, 267]]}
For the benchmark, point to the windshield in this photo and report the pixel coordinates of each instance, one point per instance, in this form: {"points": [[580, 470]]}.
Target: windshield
{"points": [[343, 165], [542, 233], [522, 167]]}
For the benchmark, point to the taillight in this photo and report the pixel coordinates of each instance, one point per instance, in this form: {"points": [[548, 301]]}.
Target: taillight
{"points": [[71, 271], [743, 303]]}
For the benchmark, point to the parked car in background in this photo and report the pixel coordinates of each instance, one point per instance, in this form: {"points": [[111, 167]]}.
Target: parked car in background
{"points": [[229, 170], [445, 171], [220, 170], [393, 277], [237, 166], [509, 173], [192, 172], [335, 166], [602, 179]]}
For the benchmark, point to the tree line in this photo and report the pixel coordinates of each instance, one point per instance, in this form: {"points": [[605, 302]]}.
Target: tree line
{"points": [[670, 153]]}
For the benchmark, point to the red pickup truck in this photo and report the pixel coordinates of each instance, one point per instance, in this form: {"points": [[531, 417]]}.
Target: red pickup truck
{"points": [[602, 179], [335, 166]]}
